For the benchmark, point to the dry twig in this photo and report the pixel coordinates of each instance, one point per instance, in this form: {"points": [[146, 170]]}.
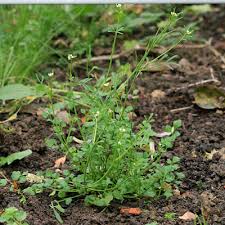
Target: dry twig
{"points": [[181, 109]]}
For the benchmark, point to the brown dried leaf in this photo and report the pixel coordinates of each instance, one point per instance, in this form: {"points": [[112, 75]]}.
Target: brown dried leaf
{"points": [[59, 162], [219, 152], [160, 66], [40, 111], [83, 119], [12, 117], [63, 115], [136, 8], [15, 186], [32, 178], [158, 94], [163, 134], [132, 211], [188, 216]]}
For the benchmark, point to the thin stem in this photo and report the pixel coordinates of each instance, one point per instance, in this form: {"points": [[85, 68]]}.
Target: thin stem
{"points": [[112, 52]]}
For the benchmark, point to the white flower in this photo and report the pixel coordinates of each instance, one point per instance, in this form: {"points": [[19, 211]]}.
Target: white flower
{"points": [[118, 5], [51, 74], [188, 32], [70, 57], [119, 143], [173, 14], [122, 129], [97, 113]]}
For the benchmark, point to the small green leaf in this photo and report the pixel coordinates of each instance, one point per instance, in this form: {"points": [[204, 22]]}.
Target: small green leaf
{"points": [[16, 175], [177, 124], [59, 207], [57, 216], [3, 182], [51, 142], [21, 215], [68, 201], [104, 201]]}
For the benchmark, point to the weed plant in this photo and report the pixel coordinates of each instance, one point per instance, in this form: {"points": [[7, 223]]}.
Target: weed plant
{"points": [[110, 157]]}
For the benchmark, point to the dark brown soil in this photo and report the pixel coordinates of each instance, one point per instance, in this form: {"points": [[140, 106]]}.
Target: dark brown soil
{"points": [[203, 131]]}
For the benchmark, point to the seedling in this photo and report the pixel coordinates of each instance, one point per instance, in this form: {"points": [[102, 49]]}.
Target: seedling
{"points": [[170, 216]]}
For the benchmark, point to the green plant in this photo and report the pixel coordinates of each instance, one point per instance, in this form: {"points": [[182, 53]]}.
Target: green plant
{"points": [[200, 220], [13, 216], [170, 216], [110, 157], [14, 156]]}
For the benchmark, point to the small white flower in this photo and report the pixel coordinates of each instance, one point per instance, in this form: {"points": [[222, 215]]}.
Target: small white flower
{"points": [[97, 113], [118, 5], [51, 74], [188, 32], [119, 143], [70, 57], [122, 129], [173, 14]]}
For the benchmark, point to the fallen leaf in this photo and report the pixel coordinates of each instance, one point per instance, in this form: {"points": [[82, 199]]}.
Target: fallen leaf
{"points": [[136, 8], [132, 115], [63, 115], [176, 192], [209, 97], [152, 147], [32, 178], [158, 94], [188, 216], [78, 140], [163, 134], [220, 152], [188, 194], [185, 65], [12, 117], [207, 203], [210, 155], [83, 119], [59, 162], [60, 43], [131, 211], [40, 111], [160, 66]]}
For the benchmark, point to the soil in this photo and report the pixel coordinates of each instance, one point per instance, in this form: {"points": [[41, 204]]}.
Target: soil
{"points": [[202, 132]]}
